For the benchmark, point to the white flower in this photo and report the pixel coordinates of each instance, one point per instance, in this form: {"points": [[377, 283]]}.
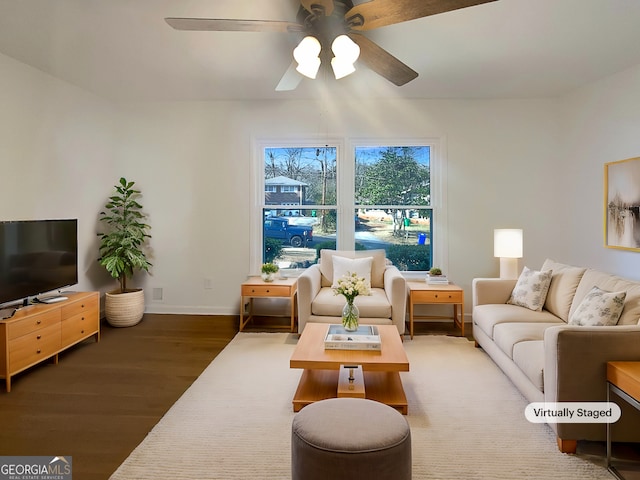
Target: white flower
{"points": [[351, 285]]}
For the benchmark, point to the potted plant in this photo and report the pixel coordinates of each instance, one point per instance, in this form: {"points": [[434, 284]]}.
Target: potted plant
{"points": [[269, 271], [122, 252]]}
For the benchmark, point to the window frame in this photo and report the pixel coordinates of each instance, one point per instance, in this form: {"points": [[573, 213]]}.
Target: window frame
{"points": [[345, 195]]}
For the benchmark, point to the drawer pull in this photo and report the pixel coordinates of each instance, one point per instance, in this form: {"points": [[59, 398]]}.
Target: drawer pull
{"points": [[39, 337], [436, 295], [81, 331], [82, 318], [268, 291], [82, 305], [38, 351], [38, 322]]}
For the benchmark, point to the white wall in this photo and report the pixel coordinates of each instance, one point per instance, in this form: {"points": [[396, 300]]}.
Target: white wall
{"points": [[531, 163], [193, 161], [56, 149], [601, 124]]}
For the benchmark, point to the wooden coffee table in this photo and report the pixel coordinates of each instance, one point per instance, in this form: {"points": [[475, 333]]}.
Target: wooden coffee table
{"points": [[319, 380]]}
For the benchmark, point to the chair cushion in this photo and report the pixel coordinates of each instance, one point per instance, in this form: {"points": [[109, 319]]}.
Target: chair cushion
{"points": [[378, 264], [564, 281], [486, 317], [508, 335], [529, 357], [375, 305]]}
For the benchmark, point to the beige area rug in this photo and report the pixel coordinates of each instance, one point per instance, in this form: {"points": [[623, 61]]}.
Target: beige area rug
{"points": [[467, 420]]}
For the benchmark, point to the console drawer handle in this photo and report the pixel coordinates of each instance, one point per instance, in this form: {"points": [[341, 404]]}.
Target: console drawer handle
{"points": [[38, 322], [38, 351], [39, 337]]}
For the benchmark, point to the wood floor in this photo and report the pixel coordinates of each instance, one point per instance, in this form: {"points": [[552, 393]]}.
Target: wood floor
{"points": [[102, 398]]}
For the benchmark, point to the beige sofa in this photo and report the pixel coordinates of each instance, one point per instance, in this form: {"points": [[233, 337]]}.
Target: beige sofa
{"points": [[549, 360], [385, 306]]}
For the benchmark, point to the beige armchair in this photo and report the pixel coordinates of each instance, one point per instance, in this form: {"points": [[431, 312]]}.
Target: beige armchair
{"points": [[385, 306]]}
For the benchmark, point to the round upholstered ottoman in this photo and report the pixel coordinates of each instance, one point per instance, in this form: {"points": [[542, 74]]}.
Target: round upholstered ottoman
{"points": [[350, 438]]}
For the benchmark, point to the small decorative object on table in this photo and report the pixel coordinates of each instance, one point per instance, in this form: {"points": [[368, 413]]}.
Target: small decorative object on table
{"points": [[436, 277], [269, 271], [350, 286]]}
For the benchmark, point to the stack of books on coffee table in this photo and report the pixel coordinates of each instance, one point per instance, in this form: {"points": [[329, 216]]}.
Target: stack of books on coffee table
{"points": [[365, 338]]}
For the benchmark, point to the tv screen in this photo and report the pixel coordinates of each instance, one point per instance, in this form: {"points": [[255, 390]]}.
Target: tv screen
{"points": [[37, 256]]}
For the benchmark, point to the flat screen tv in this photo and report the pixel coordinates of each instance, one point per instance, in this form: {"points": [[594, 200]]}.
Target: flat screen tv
{"points": [[36, 257]]}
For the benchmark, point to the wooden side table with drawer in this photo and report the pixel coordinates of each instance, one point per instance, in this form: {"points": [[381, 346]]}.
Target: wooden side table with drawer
{"points": [[421, 293], [255, 287]]}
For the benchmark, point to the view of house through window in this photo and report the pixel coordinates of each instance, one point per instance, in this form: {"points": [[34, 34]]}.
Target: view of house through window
{"points": [[389, 194]]}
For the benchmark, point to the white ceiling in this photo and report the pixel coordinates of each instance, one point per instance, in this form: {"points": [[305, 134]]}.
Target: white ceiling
{"points": [[123, 49]]}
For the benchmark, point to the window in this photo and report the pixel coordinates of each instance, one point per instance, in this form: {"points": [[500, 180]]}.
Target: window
{"points": [[393, 203], [370, 196]]}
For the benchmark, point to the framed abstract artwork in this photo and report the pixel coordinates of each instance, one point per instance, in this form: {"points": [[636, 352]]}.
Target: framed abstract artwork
{"points": [[622, 204]]}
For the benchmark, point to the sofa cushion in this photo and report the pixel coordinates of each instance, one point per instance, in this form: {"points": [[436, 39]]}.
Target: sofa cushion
{"points": [[378, 265], [564, 281], [529, 357], [531, 289], [344, 266], [507, 335], [486, 317], [599, 308], [375, 305], [611, 283]]}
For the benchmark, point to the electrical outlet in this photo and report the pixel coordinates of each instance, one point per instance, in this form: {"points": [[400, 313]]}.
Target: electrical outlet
{"points": [[208, 284], [156, 294]]}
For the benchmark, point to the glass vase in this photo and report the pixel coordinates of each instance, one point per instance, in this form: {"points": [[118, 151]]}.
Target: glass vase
{"points": [[350, 317]]}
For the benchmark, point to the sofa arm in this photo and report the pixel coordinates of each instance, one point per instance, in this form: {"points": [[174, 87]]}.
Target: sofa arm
{"points": [[575, 370], [395, 287], [308, 288], [491, 290], [575, 365]]}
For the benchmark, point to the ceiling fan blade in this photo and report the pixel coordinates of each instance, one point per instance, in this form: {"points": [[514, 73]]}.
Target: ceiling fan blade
{"points": [[290, 80], [326, 5], [228, 25], [380, 13], [382, 62]]}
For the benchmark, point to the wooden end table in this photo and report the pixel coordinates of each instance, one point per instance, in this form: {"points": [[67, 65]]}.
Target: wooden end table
{"points": [[255, 287], [421, 293], [320, 378], [623, 379]]}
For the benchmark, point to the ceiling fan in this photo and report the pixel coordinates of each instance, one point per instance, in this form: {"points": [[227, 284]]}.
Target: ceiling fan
{"points": [[327, 19]]}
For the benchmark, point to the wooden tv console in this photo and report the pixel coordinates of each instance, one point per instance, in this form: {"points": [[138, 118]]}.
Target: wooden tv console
{"points": [[38, 332]]}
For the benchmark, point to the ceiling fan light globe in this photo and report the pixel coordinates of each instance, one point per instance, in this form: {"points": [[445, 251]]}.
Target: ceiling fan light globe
{"points": [[308, 48], [345, 49], [309, 68], [341, 68]]}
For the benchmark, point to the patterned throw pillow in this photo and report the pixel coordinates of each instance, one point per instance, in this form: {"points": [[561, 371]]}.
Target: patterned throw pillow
{"points": [[531, 289], [599, 308]]}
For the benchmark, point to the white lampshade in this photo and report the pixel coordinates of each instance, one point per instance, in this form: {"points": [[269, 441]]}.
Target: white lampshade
{"points": [[346, 53], [507, 243], [307, 54]]}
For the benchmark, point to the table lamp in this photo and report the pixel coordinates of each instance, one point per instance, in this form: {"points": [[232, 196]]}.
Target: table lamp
{"points": [[507, 245]]}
